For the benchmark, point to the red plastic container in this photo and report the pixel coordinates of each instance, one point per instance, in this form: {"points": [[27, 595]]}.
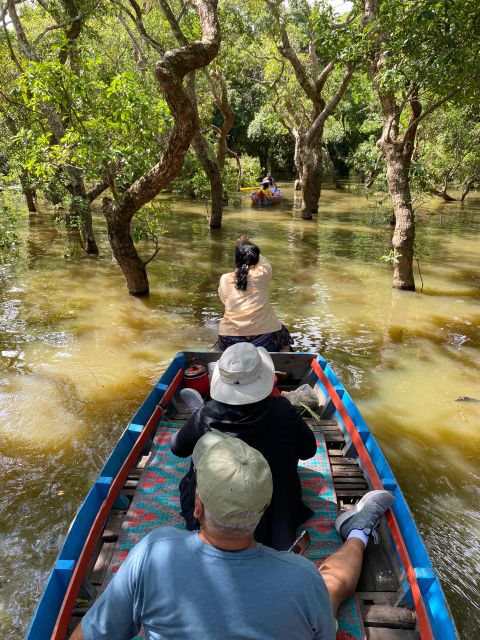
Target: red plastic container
{"points": [[275, 390], [196, 377]]}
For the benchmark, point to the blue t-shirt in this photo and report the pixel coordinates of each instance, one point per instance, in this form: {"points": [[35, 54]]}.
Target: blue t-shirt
{"points": [[180, 588]]}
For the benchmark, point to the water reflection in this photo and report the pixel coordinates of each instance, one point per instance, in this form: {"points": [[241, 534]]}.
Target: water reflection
{"points": [[78, 354]]}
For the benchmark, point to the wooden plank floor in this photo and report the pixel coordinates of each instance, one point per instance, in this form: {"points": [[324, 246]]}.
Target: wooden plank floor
{"points": [[380, 576]]}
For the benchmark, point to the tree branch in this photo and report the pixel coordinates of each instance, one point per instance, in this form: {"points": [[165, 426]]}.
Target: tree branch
{"points": [[79, 16], [171, 69], [439, 102]]}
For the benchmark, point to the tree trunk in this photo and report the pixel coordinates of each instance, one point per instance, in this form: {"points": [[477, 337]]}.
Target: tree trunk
{"points": [[170, 72], [297, 158], [210, 166], [331, 169], [404, 235], [28, 191], [81, 211], [311, 181], [124, 251], [468, 187]]}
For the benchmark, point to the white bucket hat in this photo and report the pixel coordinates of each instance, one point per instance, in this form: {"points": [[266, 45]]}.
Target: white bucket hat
{"points": [[243, 374]]}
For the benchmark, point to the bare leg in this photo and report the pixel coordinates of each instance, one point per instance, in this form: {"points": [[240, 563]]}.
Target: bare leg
{"points": [[341, 571]]}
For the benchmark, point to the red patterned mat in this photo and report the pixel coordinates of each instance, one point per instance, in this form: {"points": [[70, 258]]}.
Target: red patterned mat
{"points": [[156, 503]]}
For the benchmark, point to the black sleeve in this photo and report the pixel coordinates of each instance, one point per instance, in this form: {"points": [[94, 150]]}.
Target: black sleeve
{"points": [[305, 442], [183, 441]]}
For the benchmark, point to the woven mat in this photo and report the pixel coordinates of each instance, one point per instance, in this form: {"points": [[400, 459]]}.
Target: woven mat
{"points": [[318, 493], [156, 503]]}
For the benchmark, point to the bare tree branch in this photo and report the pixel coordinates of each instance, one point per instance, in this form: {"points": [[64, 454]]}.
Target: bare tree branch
{"points": [[60, 25]]}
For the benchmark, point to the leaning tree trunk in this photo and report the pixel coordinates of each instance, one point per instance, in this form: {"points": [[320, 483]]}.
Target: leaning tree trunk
{"points": [[331, 169], [170, 72], [80, 211], [404, 234], [124, 251], [311, 181], [209, 164]]}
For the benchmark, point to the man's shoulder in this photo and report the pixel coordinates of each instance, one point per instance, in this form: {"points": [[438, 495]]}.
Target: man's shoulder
{"points": [[292, 562], [165, 535]]}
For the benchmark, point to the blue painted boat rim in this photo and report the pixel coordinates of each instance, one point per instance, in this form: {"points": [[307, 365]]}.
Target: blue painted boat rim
{"points": [[48, 608], [440, 617]]}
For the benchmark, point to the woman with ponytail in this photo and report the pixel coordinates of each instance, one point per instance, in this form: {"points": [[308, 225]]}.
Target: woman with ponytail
{"points": [[249, 316]]}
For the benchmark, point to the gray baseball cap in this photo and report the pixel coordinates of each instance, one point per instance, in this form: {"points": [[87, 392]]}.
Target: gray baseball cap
{"points": [[234, 480]]}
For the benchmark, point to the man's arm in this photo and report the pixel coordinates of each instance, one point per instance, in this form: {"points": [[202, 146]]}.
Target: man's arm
{"points": [[115, 614], [183, 441], [77, 634]]}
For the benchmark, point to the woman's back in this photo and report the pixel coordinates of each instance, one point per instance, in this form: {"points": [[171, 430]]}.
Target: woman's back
{"points": [[248, 311]]}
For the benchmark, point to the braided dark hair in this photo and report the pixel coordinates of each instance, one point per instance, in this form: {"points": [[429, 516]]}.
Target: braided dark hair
{"points": [[246, 256]]}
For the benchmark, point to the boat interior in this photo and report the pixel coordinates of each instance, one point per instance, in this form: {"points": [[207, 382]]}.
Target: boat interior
{"points": [[379, 599]]}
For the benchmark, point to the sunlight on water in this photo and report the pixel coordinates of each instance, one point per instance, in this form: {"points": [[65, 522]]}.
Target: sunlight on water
{"points": [[78, 354]]}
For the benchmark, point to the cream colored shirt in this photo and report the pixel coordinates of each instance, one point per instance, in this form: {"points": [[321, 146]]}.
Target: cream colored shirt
{"points": [[249, 312]]}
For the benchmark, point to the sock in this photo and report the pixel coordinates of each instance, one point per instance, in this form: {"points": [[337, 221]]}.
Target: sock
{"points": [[358, 533]]}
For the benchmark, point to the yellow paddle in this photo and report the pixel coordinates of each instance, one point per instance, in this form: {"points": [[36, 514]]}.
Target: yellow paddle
{"points": [[249, 188]]}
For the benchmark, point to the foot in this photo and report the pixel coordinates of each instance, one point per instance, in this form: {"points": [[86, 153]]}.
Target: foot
{"points": [[365, 515], [192, 399]]}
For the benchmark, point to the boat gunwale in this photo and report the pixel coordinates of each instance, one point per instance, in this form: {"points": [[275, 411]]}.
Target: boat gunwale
{"points": [[419, 571], [72, 569]]}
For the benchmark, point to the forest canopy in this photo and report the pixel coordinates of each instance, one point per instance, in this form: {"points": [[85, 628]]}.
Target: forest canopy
{"points": [[115, 101]]}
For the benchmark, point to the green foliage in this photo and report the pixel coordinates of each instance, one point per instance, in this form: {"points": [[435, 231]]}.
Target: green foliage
{"points": [[104, 120], [368, 161], [8, 232], [251, 172], [194, 183], [151, 223], [447, 151], [392, 257]]}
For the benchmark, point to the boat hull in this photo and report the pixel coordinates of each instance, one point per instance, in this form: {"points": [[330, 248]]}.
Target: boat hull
{"points": [[358, 466], [260, 201]]}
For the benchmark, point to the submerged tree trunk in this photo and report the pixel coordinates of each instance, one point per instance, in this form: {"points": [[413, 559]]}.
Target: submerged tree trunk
{"points": [[202, 149], [311, 182], [468, 187], [404, 235], [331, 169], [170, 72], [29, 191], [124, 251], [80, 211]]}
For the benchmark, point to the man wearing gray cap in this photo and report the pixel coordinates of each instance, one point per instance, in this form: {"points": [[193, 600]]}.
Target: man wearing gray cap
{"points": [[218, 583]]}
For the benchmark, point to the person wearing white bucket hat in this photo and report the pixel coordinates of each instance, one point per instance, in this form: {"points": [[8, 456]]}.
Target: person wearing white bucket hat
{"points": [[244, 374], [241, 406]]}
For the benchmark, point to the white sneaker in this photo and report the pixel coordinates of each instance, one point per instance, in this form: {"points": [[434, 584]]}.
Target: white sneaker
{"points": [[192, 399]]}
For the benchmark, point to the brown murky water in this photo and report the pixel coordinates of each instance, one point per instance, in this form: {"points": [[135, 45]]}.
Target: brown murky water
{"points": [[78, 355]]}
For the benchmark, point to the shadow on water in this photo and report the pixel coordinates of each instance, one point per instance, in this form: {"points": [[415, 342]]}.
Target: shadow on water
{"points": [[77, 355]]}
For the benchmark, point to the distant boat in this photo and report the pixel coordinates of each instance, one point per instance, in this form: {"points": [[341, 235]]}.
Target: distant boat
{"points": [[399, 596], [260, 200]]}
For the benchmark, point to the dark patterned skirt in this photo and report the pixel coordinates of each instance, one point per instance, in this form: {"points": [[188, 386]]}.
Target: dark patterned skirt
{"points": [[274, 341]]}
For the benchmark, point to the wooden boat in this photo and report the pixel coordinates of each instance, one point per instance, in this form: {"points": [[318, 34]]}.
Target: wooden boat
{"points": [[259, 200], [399, 597]]}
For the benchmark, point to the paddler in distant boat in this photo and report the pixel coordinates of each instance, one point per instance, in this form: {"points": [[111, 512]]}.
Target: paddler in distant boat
{"points": [[271, 182], [265, 193]]}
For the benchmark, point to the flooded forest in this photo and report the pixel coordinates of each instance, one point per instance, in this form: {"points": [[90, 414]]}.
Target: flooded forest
{"points": [[132, 138]]}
